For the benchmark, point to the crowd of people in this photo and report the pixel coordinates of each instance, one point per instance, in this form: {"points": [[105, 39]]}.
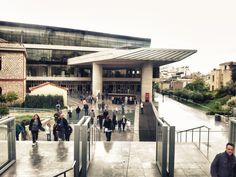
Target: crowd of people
{"points": [[60, 129]]}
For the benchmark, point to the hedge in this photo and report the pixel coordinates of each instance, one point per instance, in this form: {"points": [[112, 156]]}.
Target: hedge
{"points": [[41, 101]]}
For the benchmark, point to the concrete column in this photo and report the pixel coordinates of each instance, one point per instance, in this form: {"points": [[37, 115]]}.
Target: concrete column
{"points": [[146, 82], [97, 80], [49, 71]]}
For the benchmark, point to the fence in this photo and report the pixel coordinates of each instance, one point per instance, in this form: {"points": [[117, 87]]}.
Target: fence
{"points": [[7, 143], [85, 136], [165, 145]]}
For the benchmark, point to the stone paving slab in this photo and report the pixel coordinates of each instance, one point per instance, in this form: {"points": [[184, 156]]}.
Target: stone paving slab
{"points": [[124, 159], [111, 159], [44, 160]]}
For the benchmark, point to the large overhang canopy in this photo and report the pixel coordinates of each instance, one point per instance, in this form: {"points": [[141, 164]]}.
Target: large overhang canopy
{"points": [[135, 56]]}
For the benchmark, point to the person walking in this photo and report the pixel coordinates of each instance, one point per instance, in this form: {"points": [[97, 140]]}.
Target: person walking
{"points": [[92, 115], [34, 126], [141, 106], [19, 130], [62, 126], [86, 108], [77, 110], [108, 128], [54, 131], [68, 133], [48, 131], [103, 106], [124, 120], [100, 120], [23, 133], [114, 122], [224, 163], [119, 124]]}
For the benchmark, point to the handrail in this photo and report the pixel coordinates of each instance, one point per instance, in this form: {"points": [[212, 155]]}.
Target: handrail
{"points": [[198, 145], [193, 129], [65, 171]]}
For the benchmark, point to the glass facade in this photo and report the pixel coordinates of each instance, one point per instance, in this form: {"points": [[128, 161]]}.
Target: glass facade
{"points": [[37, 34], [125, 73], [122, 87]]}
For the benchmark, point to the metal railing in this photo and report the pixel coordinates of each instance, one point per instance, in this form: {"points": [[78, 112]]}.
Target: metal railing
{"points": [[85, 136], [232, 130], [18, 109], [165, 145], [7, 143], [65, 171], [192, 132]]}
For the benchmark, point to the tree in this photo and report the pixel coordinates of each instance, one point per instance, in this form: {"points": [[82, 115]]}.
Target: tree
{"points": [[4, 99], [197, 85], [11, 96], [156, 86]]}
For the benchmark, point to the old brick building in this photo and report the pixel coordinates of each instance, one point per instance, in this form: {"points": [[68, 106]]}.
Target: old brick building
{"points": [[13, 69]]}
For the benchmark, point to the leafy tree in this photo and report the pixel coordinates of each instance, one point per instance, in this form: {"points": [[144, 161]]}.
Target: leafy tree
{"points": [[156, 86], [11, 96], [197, 85]]}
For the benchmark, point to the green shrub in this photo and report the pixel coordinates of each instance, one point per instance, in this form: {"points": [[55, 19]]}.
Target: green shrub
{"points": [[41, 101], [4, 110]]}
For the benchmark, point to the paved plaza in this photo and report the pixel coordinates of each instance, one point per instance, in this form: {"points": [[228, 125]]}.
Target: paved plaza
{"points": [[125, 155]]}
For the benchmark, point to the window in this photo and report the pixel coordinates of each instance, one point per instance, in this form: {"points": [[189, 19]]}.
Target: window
{"points": [[213, 78], [0, 90]]}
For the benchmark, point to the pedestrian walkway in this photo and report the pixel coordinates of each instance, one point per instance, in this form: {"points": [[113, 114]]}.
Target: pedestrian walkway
{"points": [[124, 159], [111, 159], [45, 159], [184, 117]]}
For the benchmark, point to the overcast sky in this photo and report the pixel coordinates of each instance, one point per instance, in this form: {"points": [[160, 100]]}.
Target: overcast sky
{"points": [[206, 25]]}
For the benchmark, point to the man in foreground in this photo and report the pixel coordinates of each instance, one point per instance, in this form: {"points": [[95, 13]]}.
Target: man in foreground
{"points": [[224, 163]]}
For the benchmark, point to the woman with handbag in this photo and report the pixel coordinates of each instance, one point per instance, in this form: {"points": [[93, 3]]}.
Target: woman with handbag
{"points": [[34, 126]]}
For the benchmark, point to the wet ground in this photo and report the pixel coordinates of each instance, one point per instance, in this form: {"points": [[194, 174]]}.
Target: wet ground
{"points": [[185, 117]]}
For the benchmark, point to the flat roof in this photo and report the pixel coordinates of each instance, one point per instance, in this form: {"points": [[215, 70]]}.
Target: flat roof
{"points": [[139, 55]]}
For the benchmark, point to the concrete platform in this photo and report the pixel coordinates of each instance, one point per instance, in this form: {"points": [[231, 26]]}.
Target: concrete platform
{"points": [[44, 160], [111, 159], [124, 159]]}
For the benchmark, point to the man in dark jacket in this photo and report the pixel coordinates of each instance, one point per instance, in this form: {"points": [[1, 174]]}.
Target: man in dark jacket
{"points": [[224, 163], [62, 126]]}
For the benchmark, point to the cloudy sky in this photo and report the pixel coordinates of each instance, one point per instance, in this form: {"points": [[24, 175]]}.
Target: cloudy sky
{"points": [[206, 25]]}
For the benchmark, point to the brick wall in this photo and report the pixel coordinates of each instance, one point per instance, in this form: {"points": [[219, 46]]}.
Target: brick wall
{"points": [[13, 70], [16, 86]]}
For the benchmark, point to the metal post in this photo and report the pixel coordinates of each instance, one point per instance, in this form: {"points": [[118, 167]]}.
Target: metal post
{"points": [[200, 138], [84, 150], [192, 136], [171, 151], [164, 151], [186, 137], [208, 142], [76, 150]]}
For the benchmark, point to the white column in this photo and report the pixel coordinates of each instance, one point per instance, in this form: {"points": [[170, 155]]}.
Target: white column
{"points": [[97, 80], [146, 82]]}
